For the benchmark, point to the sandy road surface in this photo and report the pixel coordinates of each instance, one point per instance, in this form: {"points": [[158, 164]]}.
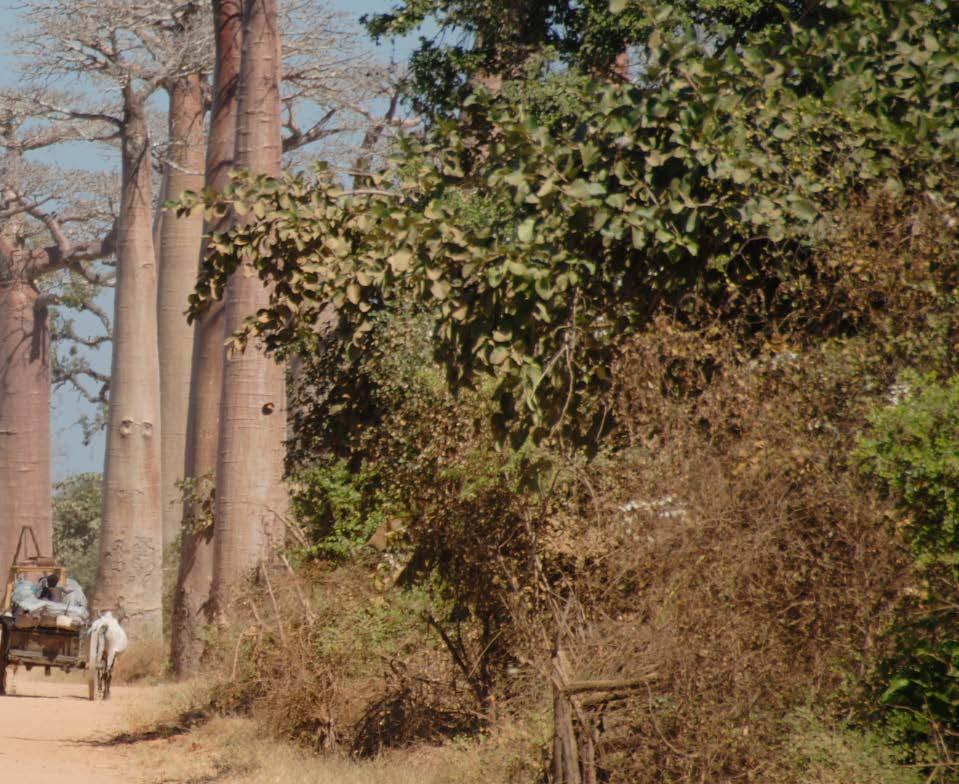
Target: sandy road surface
{"points": [[45, 729]]}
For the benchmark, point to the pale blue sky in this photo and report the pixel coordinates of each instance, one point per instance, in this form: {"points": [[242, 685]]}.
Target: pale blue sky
{"points": [[70, 455]]}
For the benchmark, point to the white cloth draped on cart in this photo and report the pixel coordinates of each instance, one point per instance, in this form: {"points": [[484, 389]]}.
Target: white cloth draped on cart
{"points": [[26, 601]]}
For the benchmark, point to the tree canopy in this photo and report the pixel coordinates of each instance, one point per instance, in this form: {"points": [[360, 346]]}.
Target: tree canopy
{"points": [[488, 42], [547, 221]]}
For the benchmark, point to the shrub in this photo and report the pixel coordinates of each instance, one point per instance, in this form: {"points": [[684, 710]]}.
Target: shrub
{"points": [[911, 451], [337, 508], [321, 656], [76, 526]]}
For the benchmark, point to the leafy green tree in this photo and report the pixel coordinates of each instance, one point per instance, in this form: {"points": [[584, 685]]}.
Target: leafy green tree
{"points": [[76, 526], [480, 43], [538, 233], [483, 42]]}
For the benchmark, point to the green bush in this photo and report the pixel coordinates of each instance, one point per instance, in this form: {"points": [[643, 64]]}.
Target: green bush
{"points": [[911, 451], [337, 508], [76, 526]]}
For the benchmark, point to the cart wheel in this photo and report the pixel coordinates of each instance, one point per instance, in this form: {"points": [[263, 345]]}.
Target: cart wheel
{"points": [[95, 666]]}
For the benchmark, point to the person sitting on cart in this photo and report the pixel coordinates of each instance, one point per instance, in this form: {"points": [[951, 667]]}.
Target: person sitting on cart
{"points": [[49, 587]]}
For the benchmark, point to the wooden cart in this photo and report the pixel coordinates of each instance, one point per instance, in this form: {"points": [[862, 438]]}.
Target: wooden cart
{"points": [[24, 642]]}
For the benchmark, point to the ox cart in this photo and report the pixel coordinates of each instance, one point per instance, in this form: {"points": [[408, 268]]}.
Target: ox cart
{"points": [[45, 621]]}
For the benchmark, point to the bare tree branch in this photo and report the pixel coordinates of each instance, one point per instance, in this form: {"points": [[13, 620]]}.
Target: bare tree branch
{"points": [[74, 377], [66, 254], [297, 138]]}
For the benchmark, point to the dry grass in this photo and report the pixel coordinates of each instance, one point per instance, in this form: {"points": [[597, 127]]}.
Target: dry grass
{"points": [[740, 561], [822, 752], [235, 751], [238, 749], [145, 661], [166, 702], [327, 660]]}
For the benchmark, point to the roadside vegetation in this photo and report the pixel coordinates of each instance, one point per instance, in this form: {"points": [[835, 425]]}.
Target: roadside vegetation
{"points": [[77, 501], [623, 440], [644, 384]]}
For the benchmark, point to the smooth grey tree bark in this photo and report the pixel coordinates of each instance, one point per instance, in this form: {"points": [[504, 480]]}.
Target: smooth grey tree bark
{"points": [[178, 247], [192, 596], [129, 574], [128, 51], [251, 499]]}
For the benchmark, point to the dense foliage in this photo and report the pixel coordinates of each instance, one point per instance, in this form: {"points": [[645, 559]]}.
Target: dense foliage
{"points": [[76, 526], [337, 509], [539, 243], [599, 350], [911, 451], [466, 45]]}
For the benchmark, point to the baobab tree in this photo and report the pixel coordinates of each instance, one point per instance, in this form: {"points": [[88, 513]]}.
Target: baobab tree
{"points": [[325, 80], [330, 77], [195, 575], [132, 50], [250, 498], [44, 234], [178, 247]]}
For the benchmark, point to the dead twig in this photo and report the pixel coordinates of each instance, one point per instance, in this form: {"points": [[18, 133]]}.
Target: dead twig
{"points": [[276, 609], [457, 654], [629, 684], [307, 610], [236, 653]]}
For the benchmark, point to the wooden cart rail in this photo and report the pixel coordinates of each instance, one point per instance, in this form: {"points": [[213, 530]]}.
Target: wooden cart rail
{"points": [[27, 566]]}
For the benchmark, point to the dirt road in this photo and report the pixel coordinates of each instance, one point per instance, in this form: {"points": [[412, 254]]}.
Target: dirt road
{"points": [[46, 729], [49, 733]]}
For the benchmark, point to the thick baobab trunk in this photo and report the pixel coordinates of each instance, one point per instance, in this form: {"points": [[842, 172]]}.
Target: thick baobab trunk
{"points": [[24, 417], [191, 599], [250, 497], [129, 574], [179, 247]]}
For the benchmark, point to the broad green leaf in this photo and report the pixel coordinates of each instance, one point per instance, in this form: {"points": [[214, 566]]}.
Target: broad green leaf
{"points": [[526, 230], [400, 261], [804, 209], [498, 355]]}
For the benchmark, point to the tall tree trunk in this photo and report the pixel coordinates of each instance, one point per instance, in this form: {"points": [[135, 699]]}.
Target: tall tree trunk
{"points": [[191, 599], [129, 574], [250, 497], [179, 248], [24, 414]]}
